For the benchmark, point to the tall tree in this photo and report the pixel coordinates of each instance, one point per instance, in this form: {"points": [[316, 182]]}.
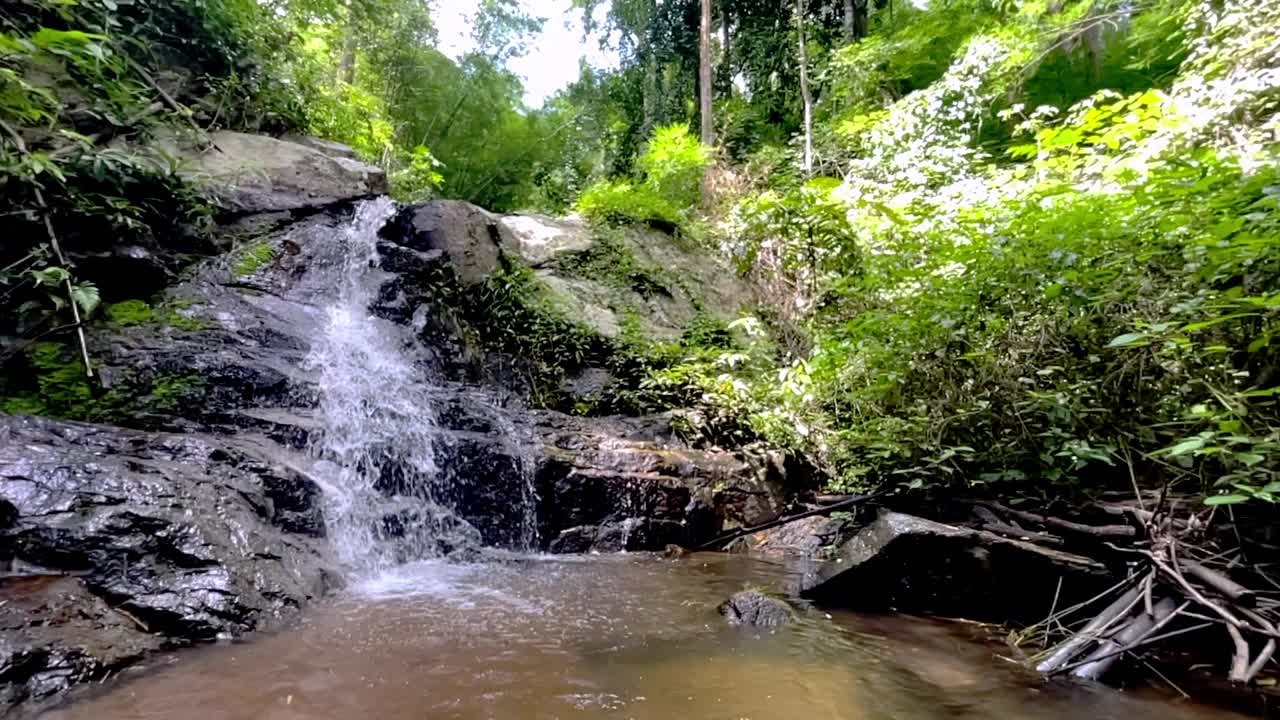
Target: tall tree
{"points": [[704, 76], [805, 94]]}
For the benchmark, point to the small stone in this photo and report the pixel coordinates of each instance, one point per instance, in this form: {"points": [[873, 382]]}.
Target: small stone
{"points": [[754, 608]]}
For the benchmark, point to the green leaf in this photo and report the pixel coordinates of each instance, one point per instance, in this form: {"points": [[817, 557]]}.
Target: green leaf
{"points": [[1226, 499], [1129, 340], [86, 296], [1186, 446], [1249, 459]]}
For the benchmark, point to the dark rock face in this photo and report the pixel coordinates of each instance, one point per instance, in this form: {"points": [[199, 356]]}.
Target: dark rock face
{"points": [[162, 540], [905, 563], [613, 484], [57, 634], [756, 609]]}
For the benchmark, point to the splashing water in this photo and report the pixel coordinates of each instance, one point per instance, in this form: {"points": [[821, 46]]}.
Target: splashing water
{"points": [[377, 448]]}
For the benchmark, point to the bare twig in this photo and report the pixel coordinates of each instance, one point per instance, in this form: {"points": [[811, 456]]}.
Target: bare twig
{"points": [[57, 251], [1240, 659]]}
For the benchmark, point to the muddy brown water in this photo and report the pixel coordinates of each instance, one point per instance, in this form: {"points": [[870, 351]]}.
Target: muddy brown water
{"points": [[627, 636]]}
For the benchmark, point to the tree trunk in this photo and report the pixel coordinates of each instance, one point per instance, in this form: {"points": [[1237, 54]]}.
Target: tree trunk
{"points": [[650, 90], [726, 53], [805, 95], [347, 63], [861, 19], [848, 21], [704, 77]]}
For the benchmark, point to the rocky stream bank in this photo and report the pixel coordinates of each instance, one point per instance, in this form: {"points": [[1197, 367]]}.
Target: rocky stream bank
{"points": [[191, 504]]}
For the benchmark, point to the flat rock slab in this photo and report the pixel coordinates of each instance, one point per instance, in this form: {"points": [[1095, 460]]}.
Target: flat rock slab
{"points": [[257, 173], [908, 564]]}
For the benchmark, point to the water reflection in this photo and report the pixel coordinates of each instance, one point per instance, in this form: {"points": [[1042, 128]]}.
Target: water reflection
{"points": [[603, 637]]}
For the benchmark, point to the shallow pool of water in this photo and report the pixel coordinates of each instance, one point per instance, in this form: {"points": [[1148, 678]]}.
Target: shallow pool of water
{"points": [[624, 636]]}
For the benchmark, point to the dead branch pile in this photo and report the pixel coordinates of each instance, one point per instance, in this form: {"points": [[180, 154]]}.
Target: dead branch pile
{"points": [[1187, 575]]}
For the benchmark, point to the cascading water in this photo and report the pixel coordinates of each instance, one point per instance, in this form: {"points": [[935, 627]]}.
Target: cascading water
{"points": [[376, 450]]}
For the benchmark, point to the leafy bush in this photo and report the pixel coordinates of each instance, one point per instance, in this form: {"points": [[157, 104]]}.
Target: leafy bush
{"points": [[673, 165], [419, 177], [1097, 307], [620, 201]]}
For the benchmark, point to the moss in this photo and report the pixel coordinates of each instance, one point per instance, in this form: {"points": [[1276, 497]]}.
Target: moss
{"points": [[169, 315], [55, 384], [61, 388], [169, 392], [252, 259], [131, 313]]}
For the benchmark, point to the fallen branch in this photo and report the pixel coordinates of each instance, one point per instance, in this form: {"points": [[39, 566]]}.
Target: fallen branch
{"points": [[1139, 628], [1097, 531], [1223, 585], [1090, 632], [743, 532], [1150, 640]]}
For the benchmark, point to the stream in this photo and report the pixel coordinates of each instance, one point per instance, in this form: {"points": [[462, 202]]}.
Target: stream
{"points": [[622, 636]]}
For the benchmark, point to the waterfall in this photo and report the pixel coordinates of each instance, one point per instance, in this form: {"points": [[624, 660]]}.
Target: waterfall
{"points": [[376, 450]]}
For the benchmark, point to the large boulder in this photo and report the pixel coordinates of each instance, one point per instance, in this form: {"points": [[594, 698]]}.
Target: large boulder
{"points": [[259, 174], [593, 277], [904, 563], [155, 540]]}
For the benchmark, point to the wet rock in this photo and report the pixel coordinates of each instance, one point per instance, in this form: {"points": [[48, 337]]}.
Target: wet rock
{"points": [[755, 609], [812, 537], [121, 543], [56, 634], [469, 236], [489, 485], [574, 540], [257, 174], [640, 535], [909, 564], [181, 532], [638, 487]]}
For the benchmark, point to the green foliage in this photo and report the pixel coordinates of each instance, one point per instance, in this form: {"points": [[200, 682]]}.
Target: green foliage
{"points": [[419, 178], [53, 383], [1099, 301], [253, 258], [621, 201], [673, 165]]}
